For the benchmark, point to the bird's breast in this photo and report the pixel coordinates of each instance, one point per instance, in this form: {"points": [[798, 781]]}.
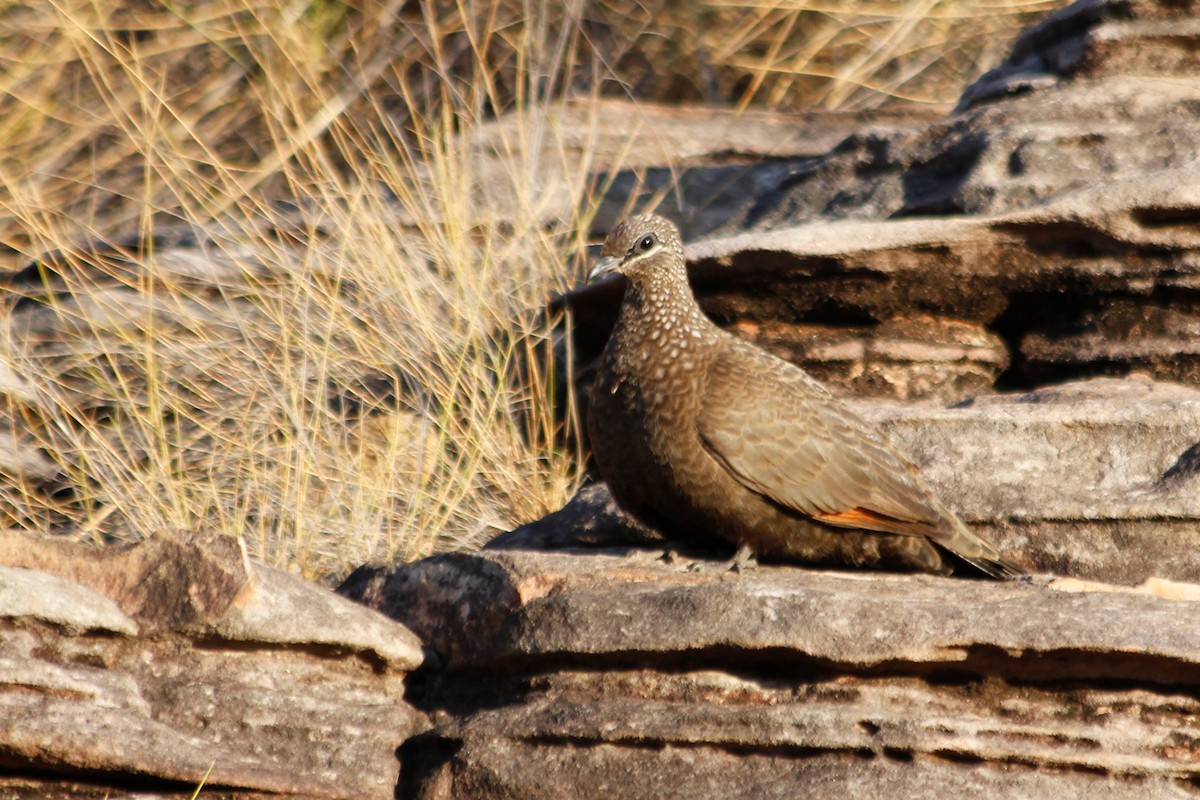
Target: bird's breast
{"points": [[656, 372]]}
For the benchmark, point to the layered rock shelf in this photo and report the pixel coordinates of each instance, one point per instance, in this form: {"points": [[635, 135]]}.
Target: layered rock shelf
{"points": [[621, 674], [1045, 230], [152, 670]]}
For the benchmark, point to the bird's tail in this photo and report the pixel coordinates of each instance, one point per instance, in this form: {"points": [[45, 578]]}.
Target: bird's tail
{"points": [[962, 543], [998, 567]]}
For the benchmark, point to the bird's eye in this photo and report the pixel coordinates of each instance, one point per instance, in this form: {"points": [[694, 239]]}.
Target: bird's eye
{"points": [[648, 241]]}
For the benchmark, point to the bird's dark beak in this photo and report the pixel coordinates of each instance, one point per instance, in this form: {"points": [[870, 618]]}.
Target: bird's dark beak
{"points": [[605, 266]]}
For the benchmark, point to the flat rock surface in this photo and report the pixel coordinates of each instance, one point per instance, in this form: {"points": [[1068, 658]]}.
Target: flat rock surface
{"points": [[682, 679]]}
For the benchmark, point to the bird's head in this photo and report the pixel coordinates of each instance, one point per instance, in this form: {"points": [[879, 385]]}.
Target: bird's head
{"points": [[639, 248]]}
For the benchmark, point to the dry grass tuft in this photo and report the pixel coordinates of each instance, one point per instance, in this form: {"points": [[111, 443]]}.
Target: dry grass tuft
{"points": [[293, 296]]}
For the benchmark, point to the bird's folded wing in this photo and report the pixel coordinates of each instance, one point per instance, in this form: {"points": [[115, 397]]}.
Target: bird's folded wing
{"points": [[781, 434]]}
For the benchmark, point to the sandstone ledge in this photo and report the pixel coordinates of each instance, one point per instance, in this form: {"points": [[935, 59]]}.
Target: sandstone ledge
{"points": [[662, 680]]}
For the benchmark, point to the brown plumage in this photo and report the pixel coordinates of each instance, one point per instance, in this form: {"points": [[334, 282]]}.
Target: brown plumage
{"points": [[700, 433]]}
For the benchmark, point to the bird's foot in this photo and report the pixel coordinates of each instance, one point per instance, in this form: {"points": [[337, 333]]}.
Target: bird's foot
{"points": [[743, 560], [675, 557]]}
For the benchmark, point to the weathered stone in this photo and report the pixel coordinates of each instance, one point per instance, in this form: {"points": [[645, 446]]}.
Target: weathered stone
{"points": [[164, 583], [1033, 276], [1092, 40], [922, 357], [1098, 91], [589, 519], [1054, 208], [1123, 334], [438, 601], [651, 679], [1072, 477], [33, 595], [288, 611], [497, 769], [147, 666], [672, 151], [858, 622], [645, 134]]}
